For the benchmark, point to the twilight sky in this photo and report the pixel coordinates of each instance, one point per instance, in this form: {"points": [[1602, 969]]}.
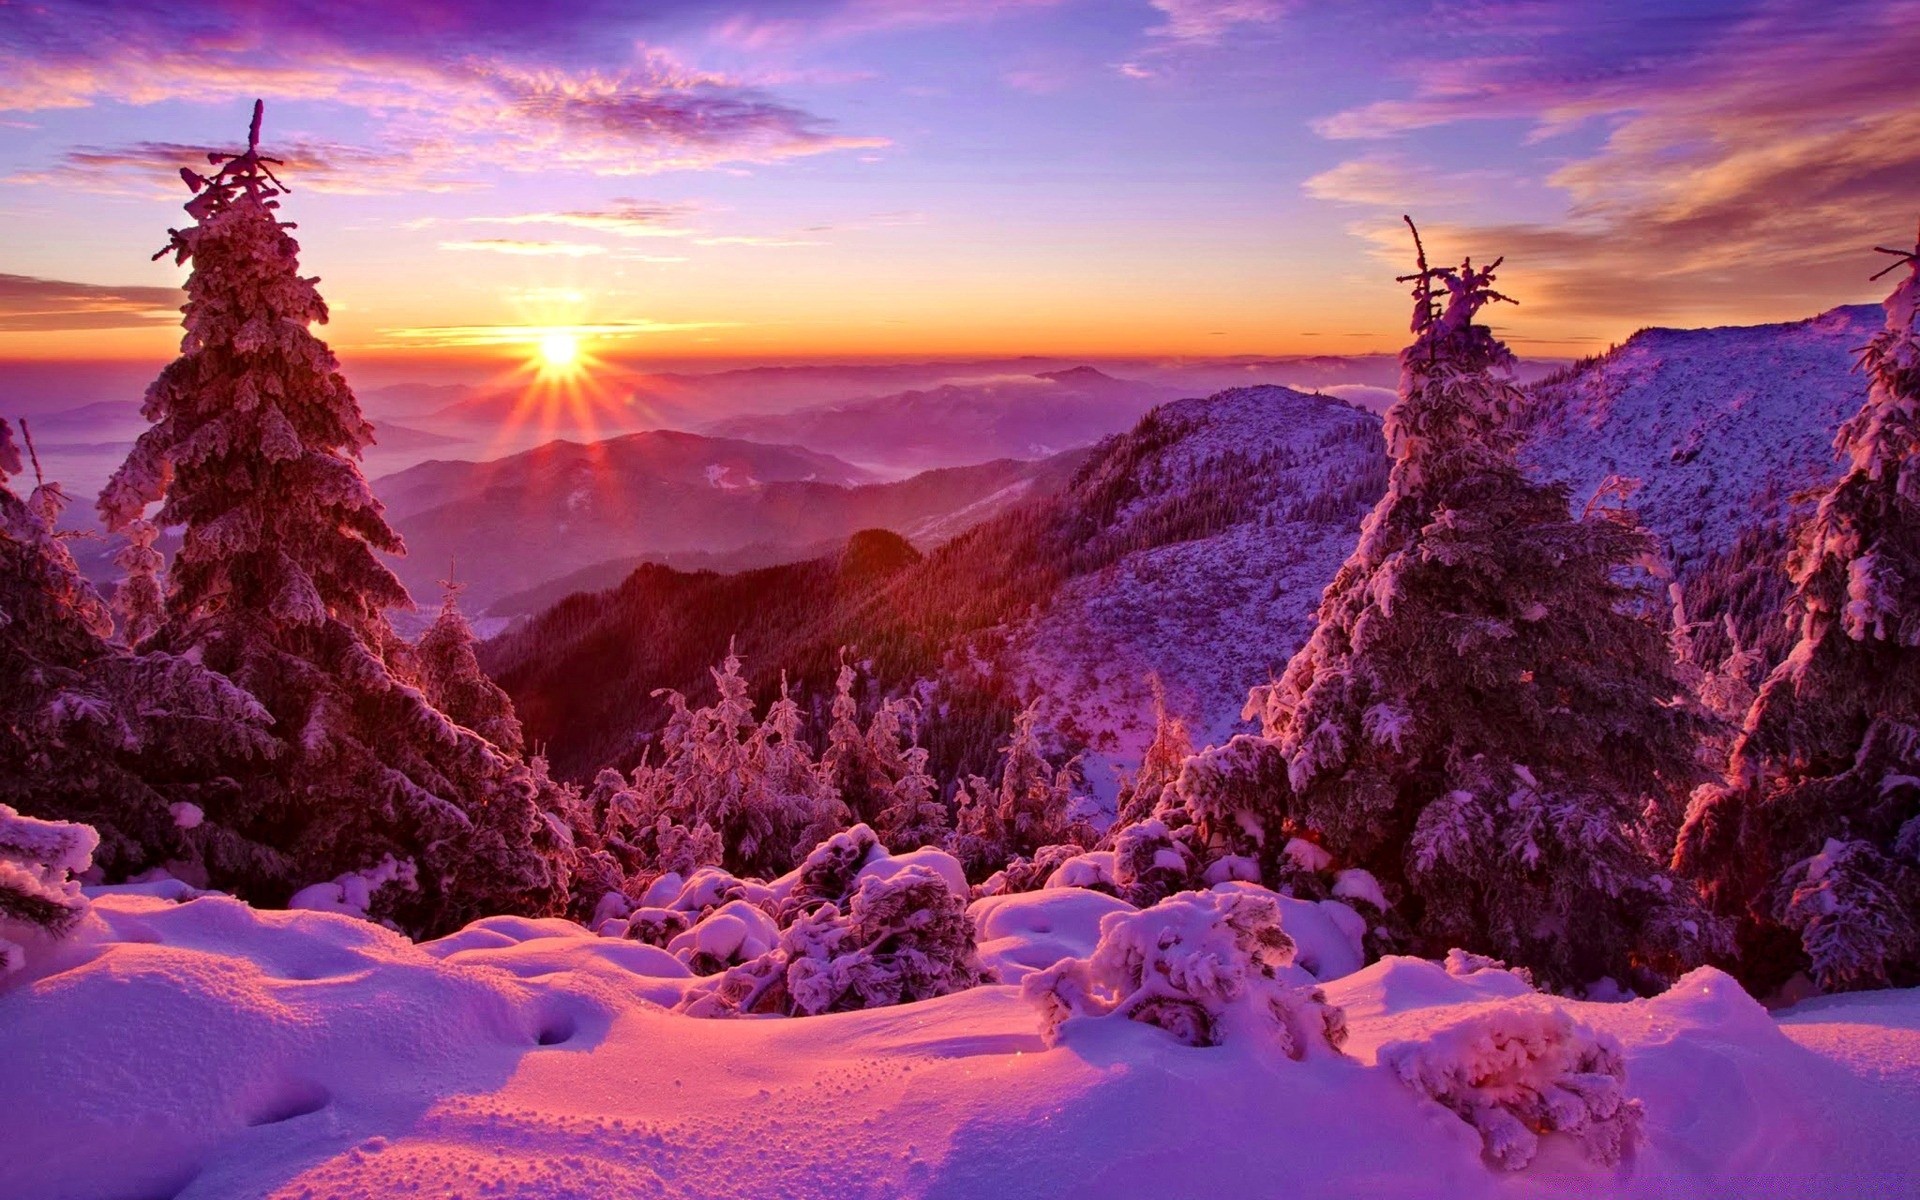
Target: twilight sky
{"points": [[742, 178]]}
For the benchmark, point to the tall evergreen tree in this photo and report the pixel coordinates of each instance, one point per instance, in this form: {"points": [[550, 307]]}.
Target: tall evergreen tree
{"points": [[278, 584], [1488, 701], [1813, 840]]}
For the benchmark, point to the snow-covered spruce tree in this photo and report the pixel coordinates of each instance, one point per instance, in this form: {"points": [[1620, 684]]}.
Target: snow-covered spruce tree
{"points": [[1172, 745], [1813, 840], [278, 585], [879, 772], [1488, 702], [132, 744], [139, 601], [450, 675]]}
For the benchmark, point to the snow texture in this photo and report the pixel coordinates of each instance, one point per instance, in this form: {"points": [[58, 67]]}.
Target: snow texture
{"points": [[282, 1054]]}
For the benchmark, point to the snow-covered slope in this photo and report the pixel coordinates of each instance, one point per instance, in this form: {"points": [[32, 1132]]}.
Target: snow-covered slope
{"points": [[206, 1051], [1721, 427], [1287, 477]]}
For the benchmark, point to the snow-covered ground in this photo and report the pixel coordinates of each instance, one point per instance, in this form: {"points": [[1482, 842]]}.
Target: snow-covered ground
{"points": [[204, 1049]]}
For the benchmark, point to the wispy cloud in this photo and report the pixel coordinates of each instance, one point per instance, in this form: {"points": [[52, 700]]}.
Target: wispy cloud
{"points": [[446, 336], [1207, 22], [528, 248], [32, 305], [628, 218], [322, 166]]}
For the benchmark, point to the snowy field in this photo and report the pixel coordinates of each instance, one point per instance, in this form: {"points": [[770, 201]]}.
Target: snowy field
{"points": [[200, 1048]]}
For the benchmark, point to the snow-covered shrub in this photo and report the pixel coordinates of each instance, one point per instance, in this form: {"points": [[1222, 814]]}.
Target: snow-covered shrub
{"points": [[904, 937], [1023, 874], [352, 893], [1092, 871], [827, 875], [1207, 967], [1519, 1069], [1029, 808], [752, 782], [1150, 864], [734, 933], [39, 865]]}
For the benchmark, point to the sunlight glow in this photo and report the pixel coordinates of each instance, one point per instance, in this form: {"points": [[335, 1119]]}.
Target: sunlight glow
{"points": [[559, 350]]}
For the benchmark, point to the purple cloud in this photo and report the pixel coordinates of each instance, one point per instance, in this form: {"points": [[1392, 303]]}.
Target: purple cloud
{"points": [[32, 305], [1747, 152], [455, 87]]}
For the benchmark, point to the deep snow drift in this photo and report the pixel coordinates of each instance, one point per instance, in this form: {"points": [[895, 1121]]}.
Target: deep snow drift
{"points": [[206, 1049]]}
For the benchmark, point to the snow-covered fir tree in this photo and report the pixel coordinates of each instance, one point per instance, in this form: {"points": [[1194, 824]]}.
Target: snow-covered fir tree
{"points": [[450, 675], [135, 745], [278, 584], [139, 602], [1488, 701], [1813, 840]]}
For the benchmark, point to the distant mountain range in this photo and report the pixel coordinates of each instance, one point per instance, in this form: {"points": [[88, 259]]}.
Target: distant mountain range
{"points": [[1010, 416], [1269, 473], [523, 521]]}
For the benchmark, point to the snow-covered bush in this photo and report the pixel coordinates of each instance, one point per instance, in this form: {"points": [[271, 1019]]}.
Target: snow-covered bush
{"points": [[732, 934], [903, 937], [1207, 967], [352, 893], [1023, 874], [827, 875], [1519, 1069], [39, 865], [1150, 864]]}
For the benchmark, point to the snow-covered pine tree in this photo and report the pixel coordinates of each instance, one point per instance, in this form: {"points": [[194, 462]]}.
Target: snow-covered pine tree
{"points": [[139, 601], [278, 585], [879, 772], [754, 783], [1172, 745], [849, 760], [135, 745], [450, 675], [1488, 701], [1813, 840]]}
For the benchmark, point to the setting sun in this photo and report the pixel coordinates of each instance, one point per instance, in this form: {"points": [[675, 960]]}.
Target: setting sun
{"points": [[559, 350]]}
